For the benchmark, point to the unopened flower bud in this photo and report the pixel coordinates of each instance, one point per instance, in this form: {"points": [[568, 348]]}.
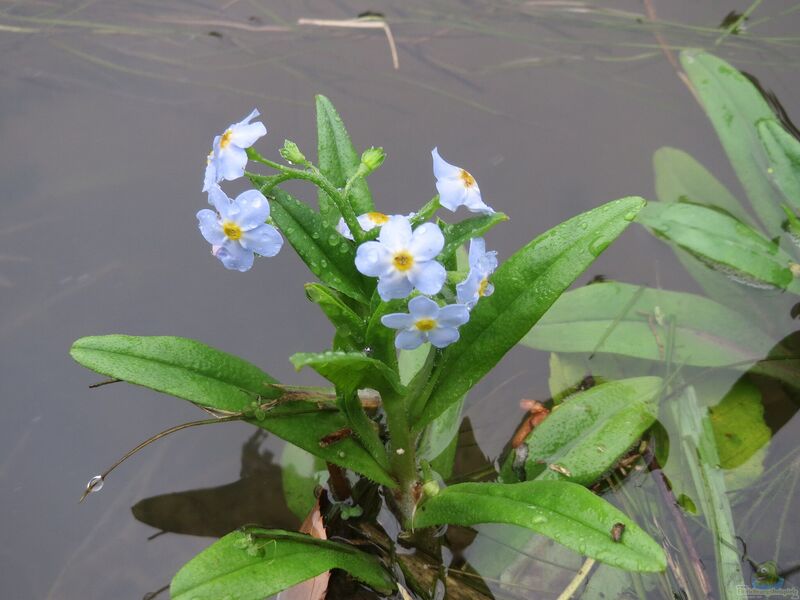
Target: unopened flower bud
{"points": [[430, 488], [291, 153], [372, 158]]}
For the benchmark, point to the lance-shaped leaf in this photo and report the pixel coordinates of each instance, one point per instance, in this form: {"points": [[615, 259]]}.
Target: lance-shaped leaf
{"points": [[319, 431], [350, 370], [350, 328], [734, 106], [620, 318], [526, 285], [681, 178], [338, 161], [213, 379], [566, 512], [460, 233], [589, 432], [178, 366], [783, 150], [721, 242], [258, 563], [326, 253]]}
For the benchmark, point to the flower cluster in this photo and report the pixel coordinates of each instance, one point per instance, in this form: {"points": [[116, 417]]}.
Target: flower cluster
{"points": [[403, 257], [238, 230]]}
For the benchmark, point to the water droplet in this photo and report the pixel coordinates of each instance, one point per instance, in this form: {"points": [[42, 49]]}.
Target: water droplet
{"points": [[95, 484], [630, 216], [315, 235], [597, 245], [539, 519]]}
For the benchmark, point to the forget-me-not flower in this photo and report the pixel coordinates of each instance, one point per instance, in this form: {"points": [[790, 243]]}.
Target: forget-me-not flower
{"points": [[228, 157], [457, 187], [238, 229], [427, 322], [367, 221], [481, 265], [403, 259]]}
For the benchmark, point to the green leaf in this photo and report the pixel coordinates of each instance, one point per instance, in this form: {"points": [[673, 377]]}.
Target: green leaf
{"points": [[590, 431], [620, 318], [526, 285], [721, 242], [305, 424], [680, 178], [338, 161], [350, 370], [350, 328], [783, 150], [738, 425], [327, 254], [734, 106], [460, 233], [178, 366], [258, 563], [566, 512]]}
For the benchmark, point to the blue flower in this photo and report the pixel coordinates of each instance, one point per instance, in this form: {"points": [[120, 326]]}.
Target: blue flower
{"points": [[402, 259], [228, 157], [481, 265], [367, 221], [427, 322], [237, 230], [457, 187]]}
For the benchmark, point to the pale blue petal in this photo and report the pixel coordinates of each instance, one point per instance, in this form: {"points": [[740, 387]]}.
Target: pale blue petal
{"points": [[231, 162], [264, 240], [441, 168], [253, 114], [477, 249], [234, 256], [398, 321], [394, 286], [467, 290], [219, 200], [426, 242], [253, 209], [409, 339], [451, 193], [210, 227], [472, 200], [443, 336], [343, 229], [373, 259], [366, 222], [210, 178], [396, 233], [428, 277], [245, 136], [421, 307], [453, 315]]}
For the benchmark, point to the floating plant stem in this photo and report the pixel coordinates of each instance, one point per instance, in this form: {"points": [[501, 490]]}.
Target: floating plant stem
{"points": [[96, 483], [576, 582]]}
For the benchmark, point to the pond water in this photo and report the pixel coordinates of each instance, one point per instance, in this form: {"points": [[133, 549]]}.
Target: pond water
{"points": [[107, 115]]}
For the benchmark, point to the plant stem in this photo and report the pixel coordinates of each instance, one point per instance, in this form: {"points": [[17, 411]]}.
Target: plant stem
{"points": [[402, 453], [742, 18], [313, 175]]}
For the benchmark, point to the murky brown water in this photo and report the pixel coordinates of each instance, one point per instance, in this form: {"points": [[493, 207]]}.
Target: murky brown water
{"points": [[108, 111]]}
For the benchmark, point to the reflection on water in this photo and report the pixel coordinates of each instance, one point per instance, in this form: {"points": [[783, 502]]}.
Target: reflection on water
{"points": [[108, 109]]}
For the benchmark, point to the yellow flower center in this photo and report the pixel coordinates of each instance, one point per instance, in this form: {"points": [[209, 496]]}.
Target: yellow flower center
{"points": [[482, 286], [467, 178], [425, 324], [403, 261], [232, 230], [377, 218], [226, 140]]}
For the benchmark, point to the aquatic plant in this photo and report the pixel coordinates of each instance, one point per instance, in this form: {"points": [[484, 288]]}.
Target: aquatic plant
{"points": [[399, 290]]}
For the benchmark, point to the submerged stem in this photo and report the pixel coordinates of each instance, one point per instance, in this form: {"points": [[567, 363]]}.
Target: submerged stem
{"points": [[155, 438]]}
